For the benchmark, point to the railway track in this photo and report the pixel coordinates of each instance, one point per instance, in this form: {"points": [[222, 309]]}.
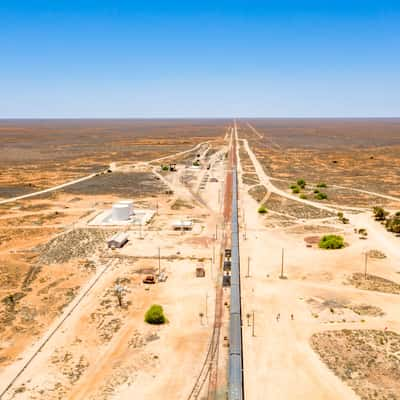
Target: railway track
{"points": [[235, 374], [209, 368], [210, 365]]}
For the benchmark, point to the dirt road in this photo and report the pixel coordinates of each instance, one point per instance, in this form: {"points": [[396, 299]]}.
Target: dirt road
{"points": [[279, 362]]}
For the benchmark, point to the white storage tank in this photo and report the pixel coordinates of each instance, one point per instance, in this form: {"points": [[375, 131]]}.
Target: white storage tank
{"points": [[120, 212], [128, 203]]}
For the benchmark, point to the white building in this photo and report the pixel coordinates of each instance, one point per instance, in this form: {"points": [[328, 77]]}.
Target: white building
{"points": [[118, 240], [186, 225]]}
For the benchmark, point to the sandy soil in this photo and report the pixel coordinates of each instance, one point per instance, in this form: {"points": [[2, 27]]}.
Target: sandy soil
{"points": [[82, 147], [58, 304], [315, 290], [92, 348]]}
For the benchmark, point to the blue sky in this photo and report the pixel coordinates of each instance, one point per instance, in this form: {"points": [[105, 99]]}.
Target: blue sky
{"points": [[199, 58]]}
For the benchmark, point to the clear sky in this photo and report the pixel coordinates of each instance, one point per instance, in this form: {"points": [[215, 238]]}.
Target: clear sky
{"points": [[271, 58]]}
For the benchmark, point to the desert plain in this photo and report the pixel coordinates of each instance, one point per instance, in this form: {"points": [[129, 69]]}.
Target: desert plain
{"points": [[317, 323]]}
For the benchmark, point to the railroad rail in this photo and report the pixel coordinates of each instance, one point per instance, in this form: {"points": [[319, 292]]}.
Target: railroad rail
{"points": [[209, 368], [235, 375], [209, 365]]}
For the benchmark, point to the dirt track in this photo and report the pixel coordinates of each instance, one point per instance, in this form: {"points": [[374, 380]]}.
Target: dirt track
{"points": [[280, 355]]}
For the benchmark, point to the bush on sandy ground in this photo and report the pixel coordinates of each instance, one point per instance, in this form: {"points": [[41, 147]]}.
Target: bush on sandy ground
{"points": [[301, 183], [331, 242], [379, 213], [303, 196], [393, 224], [322, 185], [296, 190], [321, 196], [262, 210], [155, 315]]}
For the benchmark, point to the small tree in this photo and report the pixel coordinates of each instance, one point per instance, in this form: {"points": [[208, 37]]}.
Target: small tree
{"points": [[155, 315], [262, 210], [301, 183], [120, 292], [322, 185], [380, 214], [303, 196], [331, 242]]}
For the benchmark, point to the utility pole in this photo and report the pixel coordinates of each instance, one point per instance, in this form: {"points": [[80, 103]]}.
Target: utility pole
{"points": [[206, 307], [252, 328], [159, 261], [248, 267], [283, 255], [213, 255]]}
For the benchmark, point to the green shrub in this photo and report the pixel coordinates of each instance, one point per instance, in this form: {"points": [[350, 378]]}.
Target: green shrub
{"points": [[322, 185], [379, 213], [296, 190], [196, 164], [331, 242], [301, 183], [303, 196], [164, 167], [321, 196], [316, 191], [393, 224], [262, 210], [155, 315], [293, 186]]}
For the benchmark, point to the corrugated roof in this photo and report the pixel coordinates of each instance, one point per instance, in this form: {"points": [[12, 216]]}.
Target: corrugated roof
{"points": [[119, 237]]}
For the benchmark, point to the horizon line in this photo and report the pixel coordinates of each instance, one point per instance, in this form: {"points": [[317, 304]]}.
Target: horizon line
{"points": [[197, 117]]}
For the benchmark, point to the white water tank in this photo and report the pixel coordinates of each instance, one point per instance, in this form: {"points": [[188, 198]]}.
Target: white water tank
{"points": [[120, 212], [129, 203]]}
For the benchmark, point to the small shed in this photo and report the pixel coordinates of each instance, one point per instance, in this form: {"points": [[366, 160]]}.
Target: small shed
{"points": [[118, 240], [200, 272], [185, 225]]}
